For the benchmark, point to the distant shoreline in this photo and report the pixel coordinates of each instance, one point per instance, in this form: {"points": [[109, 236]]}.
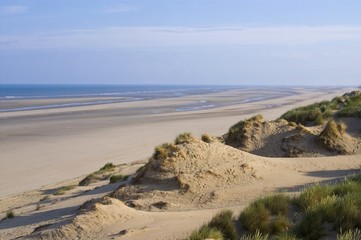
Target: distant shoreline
{"points": [[16, 98]]}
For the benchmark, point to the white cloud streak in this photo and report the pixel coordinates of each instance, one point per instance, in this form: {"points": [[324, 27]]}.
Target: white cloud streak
{"points": [[13, 9], [134, 37]]}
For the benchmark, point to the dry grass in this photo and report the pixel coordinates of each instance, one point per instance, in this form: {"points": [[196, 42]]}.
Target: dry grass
{"points": [[332, 132]]}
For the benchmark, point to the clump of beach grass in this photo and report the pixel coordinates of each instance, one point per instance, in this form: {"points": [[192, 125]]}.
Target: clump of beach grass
{"points": [[314, 113], [117, 178], [102, 174], [184, 138], [165, 150], [350, 235], [220, 227], [206, 232], [331, 133], [236, 132], [107, 167], [207, 138], [336, 206], [64, 189], [268, 215], [352, 106], [9, 214]]}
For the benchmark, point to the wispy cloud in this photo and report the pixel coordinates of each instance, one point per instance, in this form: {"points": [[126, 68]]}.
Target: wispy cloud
{"points": [[129, 37], [13, 9], [119, 8]]}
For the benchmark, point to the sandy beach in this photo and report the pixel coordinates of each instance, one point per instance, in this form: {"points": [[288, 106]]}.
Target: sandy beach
{"points": [[44, 151], [41, 147]]}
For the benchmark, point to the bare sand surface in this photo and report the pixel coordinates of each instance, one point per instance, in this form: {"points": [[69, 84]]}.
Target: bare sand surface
{"points": [[41, 147], [44, 150]]}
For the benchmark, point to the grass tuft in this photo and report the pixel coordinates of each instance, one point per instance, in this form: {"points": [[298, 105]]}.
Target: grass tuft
{"points": [[207, 138], [184, 138], [165, 150], [10, 214], [350, 235], [206, 232], [331, 133], [314, 113], [117, 178], [62, 190], [221, 226], [107, 167], [223, 222]]}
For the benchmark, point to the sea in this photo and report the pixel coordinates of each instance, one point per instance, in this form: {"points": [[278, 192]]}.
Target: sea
{"points": [[83, 95]]}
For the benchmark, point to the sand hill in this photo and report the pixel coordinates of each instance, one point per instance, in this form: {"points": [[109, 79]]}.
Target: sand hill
{"points": [[189, 175], [322, 129]]}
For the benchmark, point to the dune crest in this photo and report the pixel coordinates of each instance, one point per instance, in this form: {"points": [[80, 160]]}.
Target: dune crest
{"points": [[192, 174]]}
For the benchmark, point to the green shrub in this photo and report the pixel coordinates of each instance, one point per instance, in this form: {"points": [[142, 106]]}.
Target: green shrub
{"points": [[223, 222], [277, 204], [280, 224], [310, 227], [256, 217], [346, 187], [206, 232], [312, 196], [349, 212]]}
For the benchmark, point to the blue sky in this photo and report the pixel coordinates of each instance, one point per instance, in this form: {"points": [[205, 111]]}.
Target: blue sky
{"points": [[237, 42]]}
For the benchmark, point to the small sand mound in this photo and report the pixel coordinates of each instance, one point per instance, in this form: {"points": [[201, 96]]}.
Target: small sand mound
{"points": [[335, 138], [286, 139], [189, 175], [92, 218]]}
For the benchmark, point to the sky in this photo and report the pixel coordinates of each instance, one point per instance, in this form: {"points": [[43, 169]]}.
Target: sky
{"points": [[202, 42]]}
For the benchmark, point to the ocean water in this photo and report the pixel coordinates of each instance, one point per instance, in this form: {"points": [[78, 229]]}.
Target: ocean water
{"points": [[97, 94], [12, 91]]}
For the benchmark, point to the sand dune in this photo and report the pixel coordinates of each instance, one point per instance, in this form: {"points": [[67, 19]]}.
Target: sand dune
{"points": [[183, 184]]}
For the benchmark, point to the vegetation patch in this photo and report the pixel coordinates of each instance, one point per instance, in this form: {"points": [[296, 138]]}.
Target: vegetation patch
{"points": [[107, 167], [206, 233], [238, 130], [184, 138], [220, 227], [349, 105], [62, 190], [102, 174], [332, 134], [207, 138], [267, 215], [164, 151], [9, 214], [314, 113], [117, 178], [320, 211]]}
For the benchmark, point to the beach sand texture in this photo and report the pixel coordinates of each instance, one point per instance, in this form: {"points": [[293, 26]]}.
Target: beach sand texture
{"points": [[52, 148], [45, 146]]}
